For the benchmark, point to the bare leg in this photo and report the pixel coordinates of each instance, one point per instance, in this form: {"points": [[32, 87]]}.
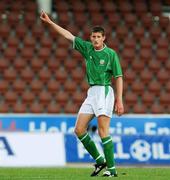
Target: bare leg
{"points": [[82, 123], [103, 125]]}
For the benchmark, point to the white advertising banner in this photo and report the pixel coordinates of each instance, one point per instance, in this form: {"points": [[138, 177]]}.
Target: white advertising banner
{"points": [[32, 149]]}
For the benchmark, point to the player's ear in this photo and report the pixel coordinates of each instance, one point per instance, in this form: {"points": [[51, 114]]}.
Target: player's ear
{"points": [[104, 37]]}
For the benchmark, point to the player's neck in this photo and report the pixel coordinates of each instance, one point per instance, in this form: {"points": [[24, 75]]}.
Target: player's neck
{"points": [[100, 47]]}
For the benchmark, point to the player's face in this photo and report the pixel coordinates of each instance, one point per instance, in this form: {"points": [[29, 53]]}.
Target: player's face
{"points": [[97, 40]]}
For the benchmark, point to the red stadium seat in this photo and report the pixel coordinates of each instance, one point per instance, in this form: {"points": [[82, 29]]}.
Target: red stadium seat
{"points": [[53, 65], [19, 86], [77, 75], [27, 53], [21, 31], [139, 108], [138, 65], [46, 42], [154, 65], [44, 53], [27, 74], [140, 8], [10, 53], [163, 21], [19, 108], [53, 108], [36, 85], [4, 107], [155, 32], [148, 98], [131, 98], [10, 74], [157, 108], [62, 98], [78, 97], [10, 97], [70, 64], [164, 98], [61, 75], [53, 86], [128, 54], [114, 19], [156, 8], [4, 86], [93, 6], [138, 87], [130, 42], [163, 76], [36, 64], [146, 43], [97, 18], [80, 19], [167, 87], [61, 54], [78, 6], [12, 41], [130, 20], [29, 41], [19, 64], [129, 76], [154, 87], [44, 75], [70, 87], [162, 42], [147, 20], [162, 55], [71, 108], [4, 30], [146, 76], [121, 32], [38, 31], [63, 18], [36, 108], [30, 19], [3, 64], [138, 32], [28, 97], [124, 7], [44, 97], [145, 54]]}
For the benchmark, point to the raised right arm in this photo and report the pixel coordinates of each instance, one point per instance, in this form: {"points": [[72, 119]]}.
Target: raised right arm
{"points": [[63, 32]]}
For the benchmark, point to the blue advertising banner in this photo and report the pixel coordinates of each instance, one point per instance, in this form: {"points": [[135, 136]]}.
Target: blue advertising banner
{"points": [[132, 149], [126, 124]]}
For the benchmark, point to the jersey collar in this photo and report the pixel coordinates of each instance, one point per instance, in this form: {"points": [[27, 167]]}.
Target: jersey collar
{"points": [[104, 45]]}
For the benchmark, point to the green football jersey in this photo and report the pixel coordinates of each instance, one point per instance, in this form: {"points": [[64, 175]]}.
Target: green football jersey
{"points": [[101, 65]]}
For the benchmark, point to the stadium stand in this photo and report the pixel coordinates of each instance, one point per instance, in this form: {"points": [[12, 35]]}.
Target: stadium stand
{"points": [[41, 74]]}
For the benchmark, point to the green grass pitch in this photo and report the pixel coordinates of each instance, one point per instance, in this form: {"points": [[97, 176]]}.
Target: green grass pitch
{"points": [[82, 173]]}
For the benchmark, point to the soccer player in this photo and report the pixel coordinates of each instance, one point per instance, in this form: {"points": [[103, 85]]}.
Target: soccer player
{"points": [[101, 64]]}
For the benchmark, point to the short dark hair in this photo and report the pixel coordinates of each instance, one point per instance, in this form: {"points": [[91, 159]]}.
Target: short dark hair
{"points": [[98, 29]]}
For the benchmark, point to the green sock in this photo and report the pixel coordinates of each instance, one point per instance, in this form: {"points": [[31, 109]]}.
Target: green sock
{"points": [[91, 148], [108, 152]]}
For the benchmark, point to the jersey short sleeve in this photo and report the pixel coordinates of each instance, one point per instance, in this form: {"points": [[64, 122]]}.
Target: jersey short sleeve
{"points": [[116, 67], [80, 45]]}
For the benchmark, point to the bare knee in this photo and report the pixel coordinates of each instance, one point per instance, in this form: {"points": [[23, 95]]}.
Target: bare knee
{"points": [[79, 130], [103, 132]]}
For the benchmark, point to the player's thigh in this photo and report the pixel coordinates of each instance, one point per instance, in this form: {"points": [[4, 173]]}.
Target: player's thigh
{"points": [[82, 123], [103, 125]]}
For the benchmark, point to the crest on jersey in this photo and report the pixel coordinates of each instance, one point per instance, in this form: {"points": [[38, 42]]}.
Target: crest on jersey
{"points": [[102, 62]]}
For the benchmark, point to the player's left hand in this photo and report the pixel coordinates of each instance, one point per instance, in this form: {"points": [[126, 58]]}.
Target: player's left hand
{"points": [[119, 108]]}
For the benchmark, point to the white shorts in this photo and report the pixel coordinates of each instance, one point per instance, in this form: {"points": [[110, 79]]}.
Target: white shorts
{"points": [[99, 101]]}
